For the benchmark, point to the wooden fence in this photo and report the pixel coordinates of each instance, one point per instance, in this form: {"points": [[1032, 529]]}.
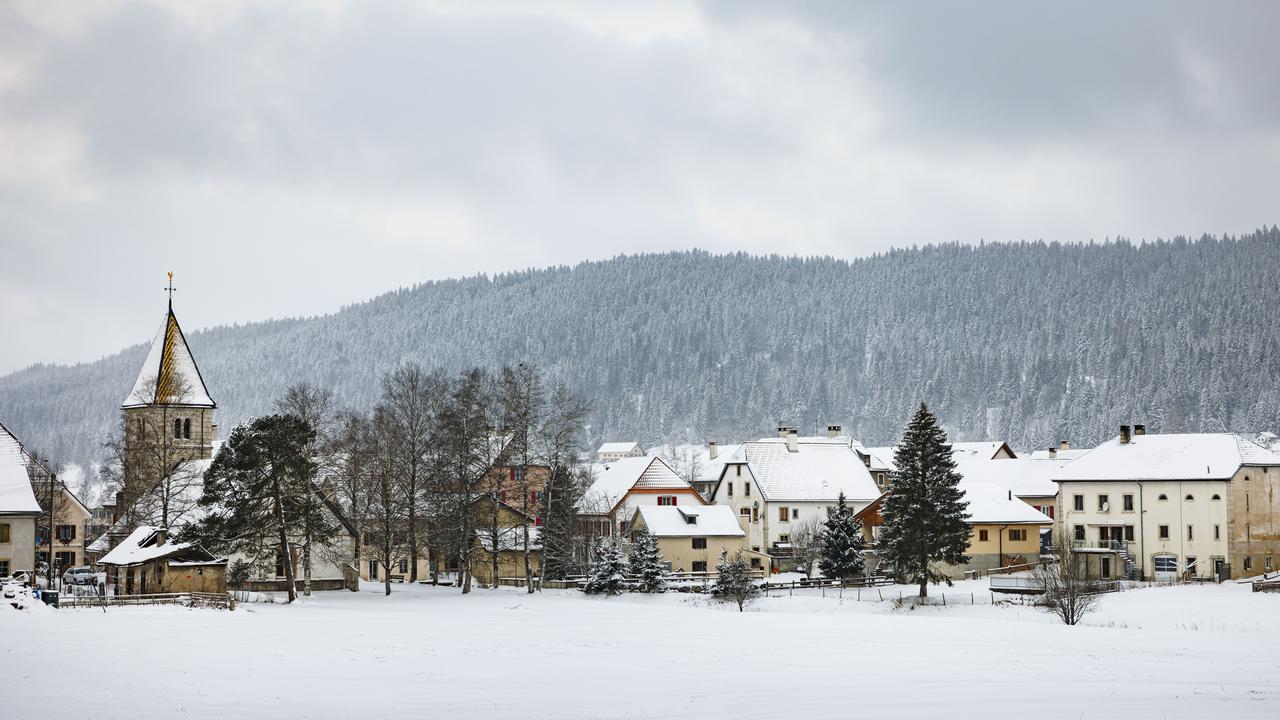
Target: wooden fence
{"points": [[220, 601]]}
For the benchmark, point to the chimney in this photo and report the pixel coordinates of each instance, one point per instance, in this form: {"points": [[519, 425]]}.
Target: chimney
{"points": [[1139, 430], [115, 509], [713, 449], [1064, 445], [792, 441], [1053, 453], [161, 536], [1124, 434], [834, 431], [782, 431]]}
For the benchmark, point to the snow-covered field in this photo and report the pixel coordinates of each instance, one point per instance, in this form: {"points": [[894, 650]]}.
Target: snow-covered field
{"points": [[1199, 652]]}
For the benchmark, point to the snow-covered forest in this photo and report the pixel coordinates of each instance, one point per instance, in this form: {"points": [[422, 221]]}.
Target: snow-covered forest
{"points": [[1029, 342]]}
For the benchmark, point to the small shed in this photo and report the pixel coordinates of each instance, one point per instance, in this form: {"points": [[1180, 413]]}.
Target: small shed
{"points": [[146, 563]]}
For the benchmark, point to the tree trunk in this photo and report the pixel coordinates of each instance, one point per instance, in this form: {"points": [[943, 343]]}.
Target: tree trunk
{"points": [[924, 579], [386, 561], [528, 564], [496, 547], [413, 530]]}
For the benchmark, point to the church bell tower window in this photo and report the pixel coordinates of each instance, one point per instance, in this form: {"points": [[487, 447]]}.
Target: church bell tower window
{"points": [[177, 429], [186, 429]]}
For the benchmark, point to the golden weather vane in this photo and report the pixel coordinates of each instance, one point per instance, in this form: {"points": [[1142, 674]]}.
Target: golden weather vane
{"points": [[170, 288]]}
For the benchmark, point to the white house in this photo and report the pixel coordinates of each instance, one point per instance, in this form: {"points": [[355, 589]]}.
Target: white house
{"points": [[19, 509], [1165, 506], [777, 484], [612, 451], [623, 485]]}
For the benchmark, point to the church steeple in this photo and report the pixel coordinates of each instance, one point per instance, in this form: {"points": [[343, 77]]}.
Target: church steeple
{"points": [[169, 376]]}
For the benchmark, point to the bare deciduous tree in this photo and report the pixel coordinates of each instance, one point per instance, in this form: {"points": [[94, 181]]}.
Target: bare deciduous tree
{"points": [[1068, 593]]}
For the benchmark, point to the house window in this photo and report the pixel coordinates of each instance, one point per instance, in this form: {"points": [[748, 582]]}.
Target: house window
{"points": [[1128, 502], [755, 514], [1216, 496], [64, 559], [1217, 532], [186, 429], [745, 512], [755, 563], [177, 429], [1103, 504], [666, 499], [1191, 533], [1163, 497], [795, 514], [1248, 563], [1164, 532], [784, 538], [1189, 497], [4, 567], [699, 565], [4, 533], [404, 566], [622, 527], [1191, 565], [1128, 533], [1077, 503], [1079, 529], [373, 569], [1268, 568], [746, 489], [1019, 534], [982, 536], [699, 543], [66, 533], [730, 489], [784, 514]]}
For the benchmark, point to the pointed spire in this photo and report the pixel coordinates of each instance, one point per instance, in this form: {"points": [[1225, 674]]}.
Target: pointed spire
{"points": [[169, 376]]}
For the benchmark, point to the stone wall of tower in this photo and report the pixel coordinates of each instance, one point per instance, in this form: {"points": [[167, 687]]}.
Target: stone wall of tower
{"points": [[149, 436]]}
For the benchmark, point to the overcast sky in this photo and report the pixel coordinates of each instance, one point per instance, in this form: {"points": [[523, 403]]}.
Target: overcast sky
{"points": [[289, 158]]}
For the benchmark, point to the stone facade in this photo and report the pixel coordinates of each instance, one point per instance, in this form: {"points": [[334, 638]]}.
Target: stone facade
{"points": [[1253, 520]]}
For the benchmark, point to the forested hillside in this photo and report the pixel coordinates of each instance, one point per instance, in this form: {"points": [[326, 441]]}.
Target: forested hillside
{"points": [[1030, 342]]}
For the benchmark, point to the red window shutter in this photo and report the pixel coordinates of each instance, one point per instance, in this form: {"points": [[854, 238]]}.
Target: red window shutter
{"points": [[533, 497], [673, 499]]}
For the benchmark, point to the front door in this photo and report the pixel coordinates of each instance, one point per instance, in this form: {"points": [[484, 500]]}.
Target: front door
{"points": [[1106, 568]]}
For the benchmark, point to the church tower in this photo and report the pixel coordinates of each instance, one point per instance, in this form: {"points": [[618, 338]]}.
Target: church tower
{"points": [[168, 416]]}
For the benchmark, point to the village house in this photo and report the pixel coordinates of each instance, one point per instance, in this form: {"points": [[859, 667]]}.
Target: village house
{"points": [[147, 563], [19, 510], [700, 465], [620, 487], [1169, 506], [775, 485], [1003, 530], [1029, 479], [693, 538], [611, 451], [71, 516]]}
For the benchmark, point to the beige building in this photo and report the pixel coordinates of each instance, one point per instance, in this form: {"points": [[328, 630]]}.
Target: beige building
{"points": [[692, 539], [1003, 530], [1170, 506], [19, 510], [776, 485]]}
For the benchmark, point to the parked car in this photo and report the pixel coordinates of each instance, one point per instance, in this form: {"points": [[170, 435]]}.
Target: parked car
{"points": [[82, 575]]}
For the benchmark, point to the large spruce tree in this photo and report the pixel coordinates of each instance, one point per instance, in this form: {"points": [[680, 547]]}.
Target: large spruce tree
{"points": [[646, 563], [925, 514], [841, 543]]}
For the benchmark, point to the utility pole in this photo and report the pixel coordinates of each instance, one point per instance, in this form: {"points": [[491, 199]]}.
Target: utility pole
{"points": [[53, 478]]}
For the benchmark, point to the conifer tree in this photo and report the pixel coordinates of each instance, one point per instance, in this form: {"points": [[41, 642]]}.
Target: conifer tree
{"points": [[646, 562], [841, 543], [608, 572], [733, 580], [925, 514]]}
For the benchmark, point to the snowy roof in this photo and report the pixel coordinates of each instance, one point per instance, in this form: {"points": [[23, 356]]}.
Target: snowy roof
{"points": [[990, 504], [708, 469], [1026, 477], [985, 449], [184, 505], [1171, 456], [675, 521], [1070, 454], [819, 470], [614, 480], [141, 546], [509, 538], [16, 496], [620, 447], [881, 457], [169, 375]]}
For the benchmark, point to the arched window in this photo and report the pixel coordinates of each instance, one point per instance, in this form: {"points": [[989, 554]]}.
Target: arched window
{"points": [[177, 429], [1189, 497], [1163, 497], [1216, 496], [186, 428]]}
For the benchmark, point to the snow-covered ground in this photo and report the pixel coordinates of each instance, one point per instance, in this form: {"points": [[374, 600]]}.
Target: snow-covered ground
{"points": [[1199, 652]]}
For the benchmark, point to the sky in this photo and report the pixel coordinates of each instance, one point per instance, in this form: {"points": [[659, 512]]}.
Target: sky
{"points": [[289, 158]]}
